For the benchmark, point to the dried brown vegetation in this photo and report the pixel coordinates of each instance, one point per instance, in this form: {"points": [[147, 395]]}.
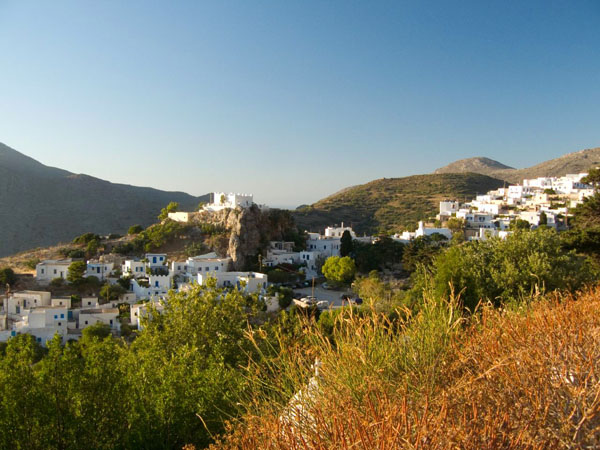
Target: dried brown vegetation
{"points": [[525, 378]]}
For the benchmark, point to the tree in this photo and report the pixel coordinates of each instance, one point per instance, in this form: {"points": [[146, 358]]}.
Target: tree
{"points": [[201, 206], [543, 218], [86, 238], [76, 271], [7, 276], [346, 243], [99, 330], [456, 225], [339, 269], [514, 269], [593, 178], [111, 292], [171, 207], [519, 224], [135, 229], [92, 248]]}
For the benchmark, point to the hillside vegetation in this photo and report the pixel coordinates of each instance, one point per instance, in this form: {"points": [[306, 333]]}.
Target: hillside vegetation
{"points": [[392, 204]]}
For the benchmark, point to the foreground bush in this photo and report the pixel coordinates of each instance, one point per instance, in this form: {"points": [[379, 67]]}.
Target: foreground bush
{"points": [[520, 379]]}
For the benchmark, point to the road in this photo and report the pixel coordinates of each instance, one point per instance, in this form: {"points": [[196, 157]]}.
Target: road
{"points": [[333, 297]]}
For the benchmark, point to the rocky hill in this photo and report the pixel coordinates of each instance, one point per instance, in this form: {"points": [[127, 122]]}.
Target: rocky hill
{"points": [[43, 205], [391, 204], [575, 162], [479, 164]]}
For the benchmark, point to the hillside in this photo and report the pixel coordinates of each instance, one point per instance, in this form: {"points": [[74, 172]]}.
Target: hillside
{"points": [[478, 164], [575, 162], [44, 205], [389, 204]]}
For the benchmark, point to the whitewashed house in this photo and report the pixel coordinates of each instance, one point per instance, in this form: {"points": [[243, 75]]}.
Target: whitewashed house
{"points": [[99, 269], [18, 301], [156, 260], [108, 316], [221, 200], [246, 281], [46, 271], [134, 268], [207, 264]]}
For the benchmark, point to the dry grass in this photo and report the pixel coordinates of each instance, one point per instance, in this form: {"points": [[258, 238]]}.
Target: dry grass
{"points": [[518, 379]]}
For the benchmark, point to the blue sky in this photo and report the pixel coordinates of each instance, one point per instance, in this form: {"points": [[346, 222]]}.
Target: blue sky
{"points": [[290, 100]]}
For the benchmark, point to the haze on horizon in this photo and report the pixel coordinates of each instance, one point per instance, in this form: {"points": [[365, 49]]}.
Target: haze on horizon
{"points": [[292, 101]]}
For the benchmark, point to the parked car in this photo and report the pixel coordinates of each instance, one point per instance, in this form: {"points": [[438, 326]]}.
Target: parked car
{"points": [[323, 304]]}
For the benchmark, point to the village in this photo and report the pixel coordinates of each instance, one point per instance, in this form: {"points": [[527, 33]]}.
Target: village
{"points": [[543, 201]]}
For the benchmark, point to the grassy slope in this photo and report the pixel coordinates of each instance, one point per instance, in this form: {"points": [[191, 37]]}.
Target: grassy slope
{"points": [[390, 204]]}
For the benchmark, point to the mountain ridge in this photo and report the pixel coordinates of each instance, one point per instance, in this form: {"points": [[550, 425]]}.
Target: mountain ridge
{"points": [[574, 162], [43, 205]]}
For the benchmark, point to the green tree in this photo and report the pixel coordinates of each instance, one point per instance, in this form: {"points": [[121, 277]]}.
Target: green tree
{"points": [[135, 229], [189, 357], [543, 218], [76, 271], [593, 178], [86, 238], [514, 269], [456, 225], [7, 276], [519, 224], [339, 269], [92, 248], [171, 207], [346, 243], [97, 331], [111, 292]]}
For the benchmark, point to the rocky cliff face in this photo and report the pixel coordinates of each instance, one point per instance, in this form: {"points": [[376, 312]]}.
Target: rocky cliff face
{"points": [[250, 231]]}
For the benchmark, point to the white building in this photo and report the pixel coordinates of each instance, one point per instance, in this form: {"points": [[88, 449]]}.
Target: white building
{"points": [[50, 269], [221, 200], [337, 232], [99, 269], [139, 311], [246, 281], [448, 208], [156, 260], [108, 316], [422, 231], [207, 263], [134, 268], [21, 300], [180, 216]]}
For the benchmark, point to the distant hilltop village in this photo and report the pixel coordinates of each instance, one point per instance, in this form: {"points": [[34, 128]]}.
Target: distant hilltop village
{"points": [[538, 201]]}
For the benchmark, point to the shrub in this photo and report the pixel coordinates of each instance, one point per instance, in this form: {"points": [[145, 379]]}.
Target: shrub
{"points": [[57, 282], [135, 229]]}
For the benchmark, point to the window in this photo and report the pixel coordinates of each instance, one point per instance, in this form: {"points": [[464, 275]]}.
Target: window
{"points": [[154, 259], [86, 322], [59, 324], [216, 267], [56, 316], [62, 316], [207, 268], [54, 271], [42, 271]]}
